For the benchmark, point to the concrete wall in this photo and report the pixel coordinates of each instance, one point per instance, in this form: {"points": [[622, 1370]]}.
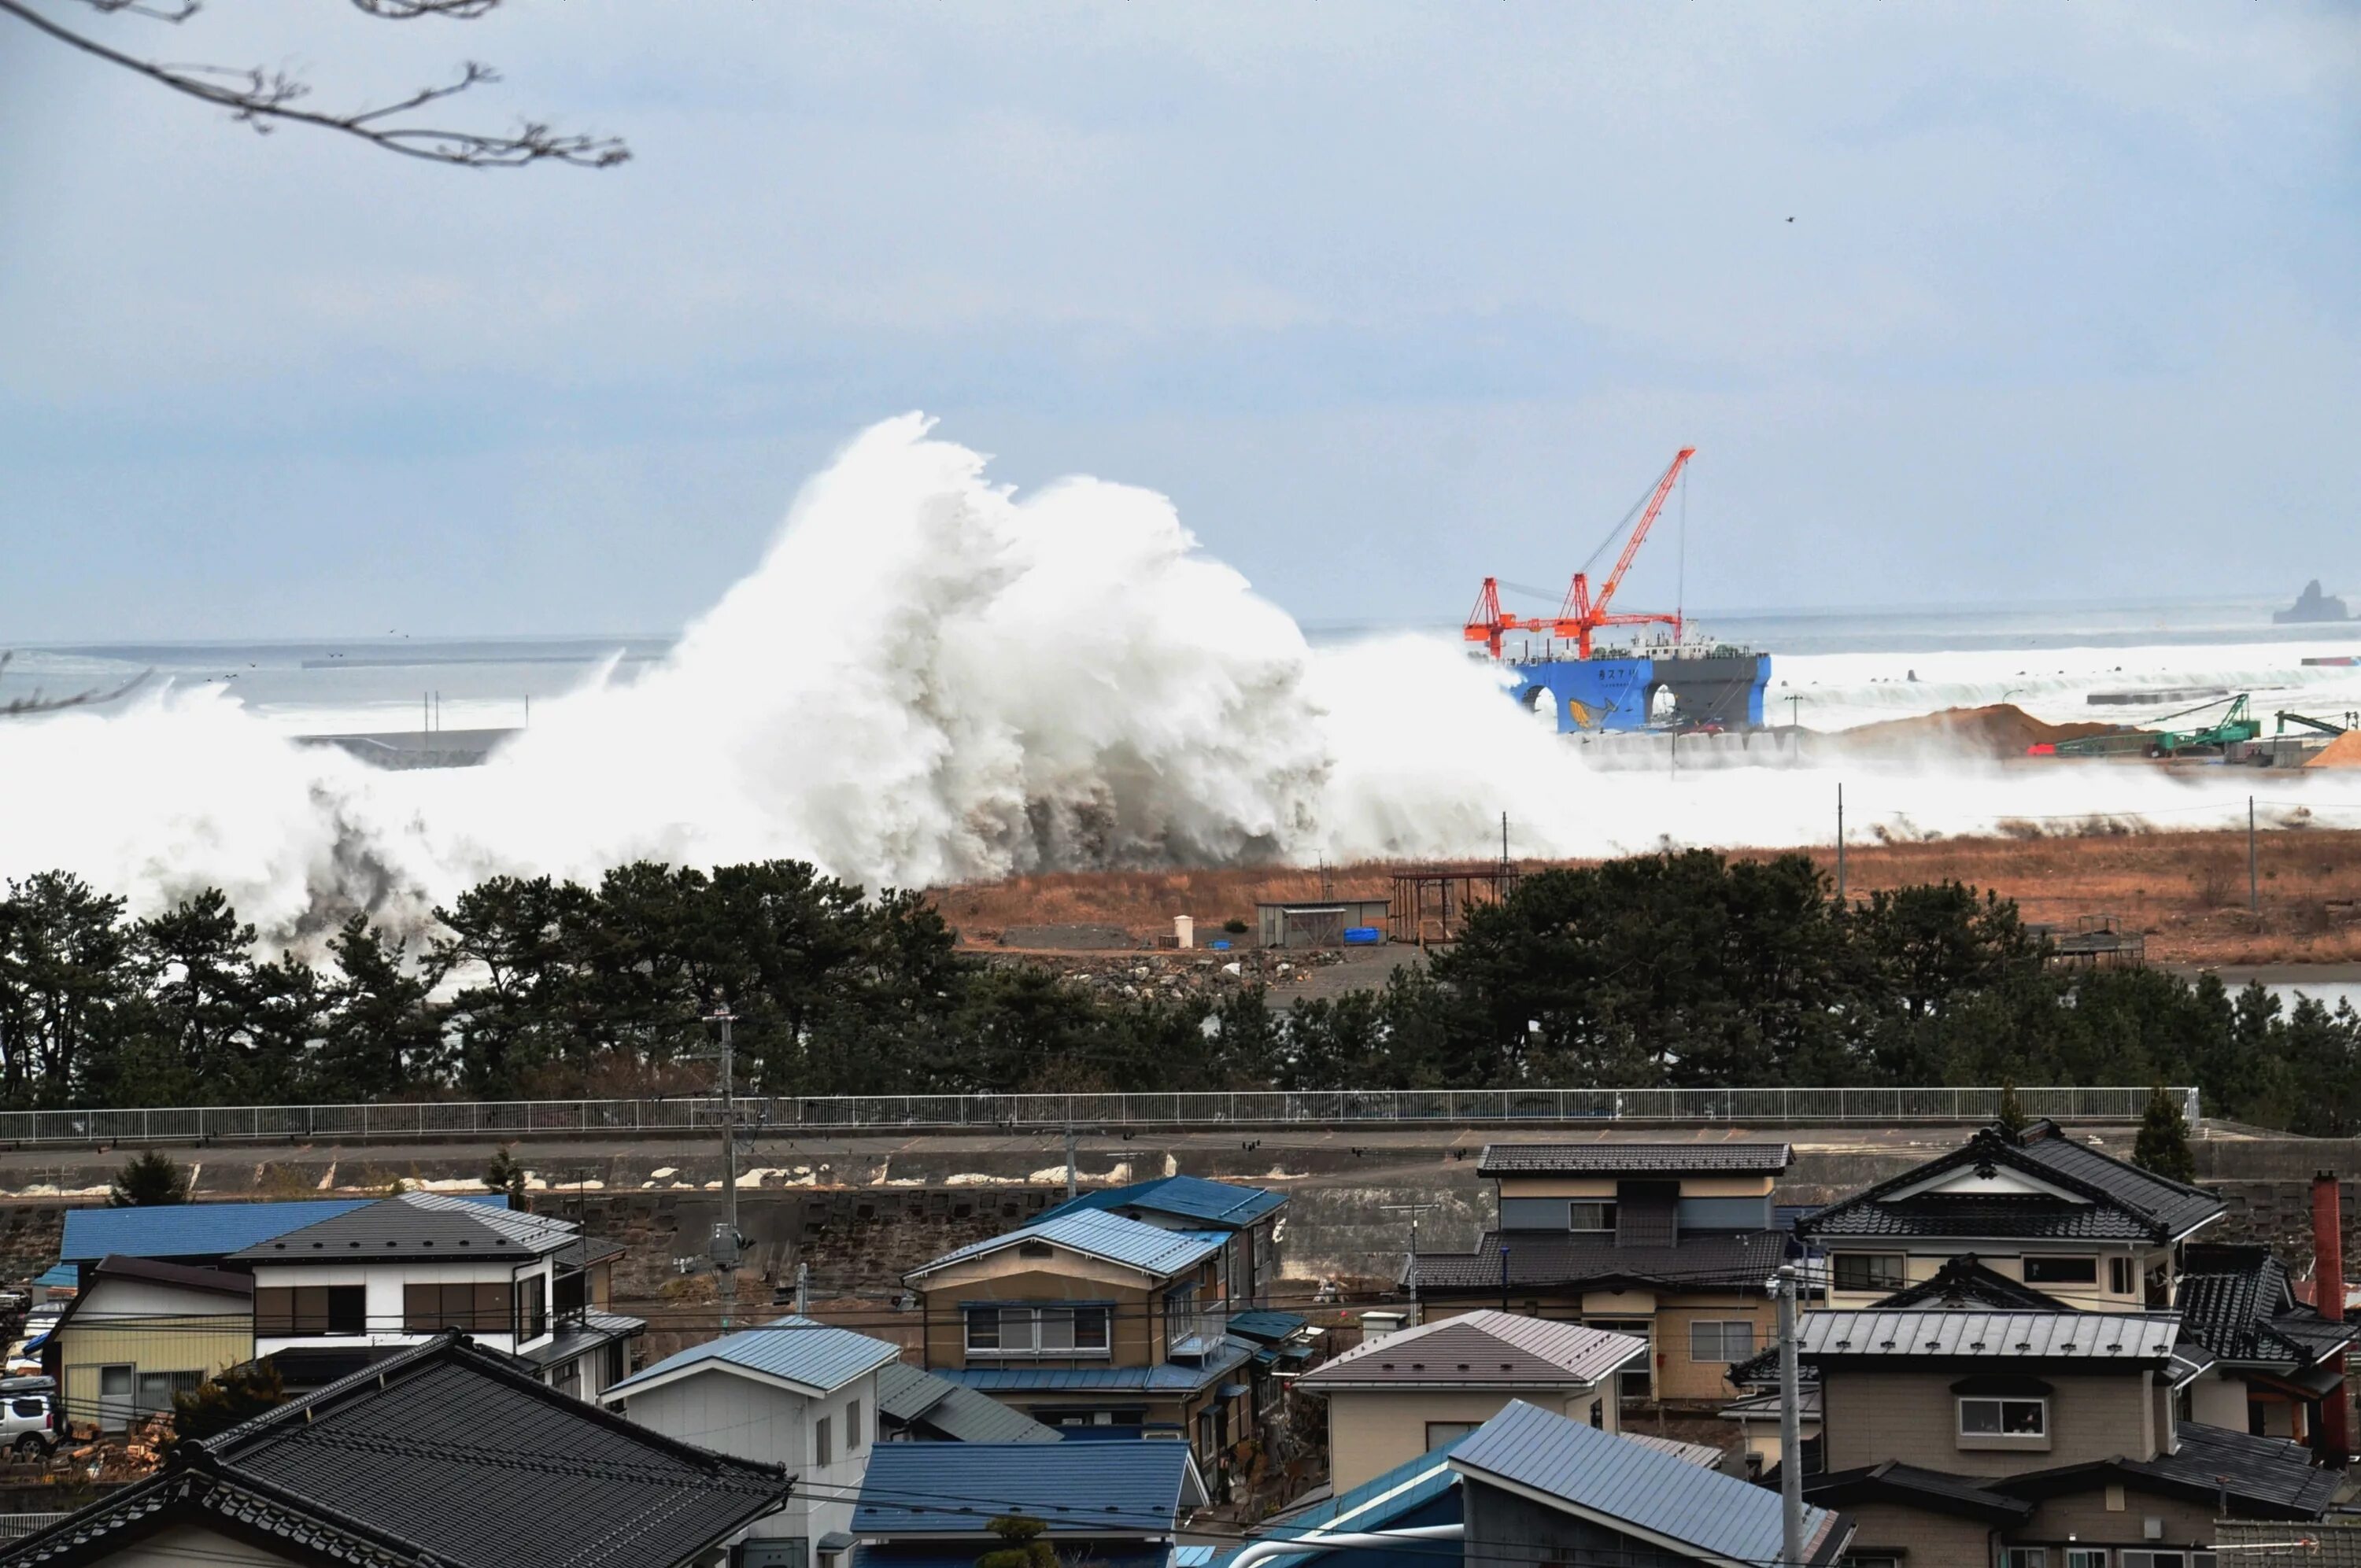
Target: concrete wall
{"points": [[1911, 1416]]}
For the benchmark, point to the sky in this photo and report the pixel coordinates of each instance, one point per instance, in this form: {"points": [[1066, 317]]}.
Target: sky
{"points": [[1960, 304]]}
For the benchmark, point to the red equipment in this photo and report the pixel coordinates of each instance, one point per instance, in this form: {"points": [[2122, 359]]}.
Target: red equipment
{"points": [[1580, 616]]}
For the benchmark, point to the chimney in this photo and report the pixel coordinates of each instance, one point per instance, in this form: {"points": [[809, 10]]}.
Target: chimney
{"points": [[2328, 1298]]}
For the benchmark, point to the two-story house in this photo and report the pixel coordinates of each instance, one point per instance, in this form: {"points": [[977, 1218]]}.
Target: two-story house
{"points": [[2031, 1439], [139, 1332], [1674, 1244], [1092, 1322], [2273, 1361], [2035, 1206], [792, 1392], [1252, 1217], [332, 1297]]}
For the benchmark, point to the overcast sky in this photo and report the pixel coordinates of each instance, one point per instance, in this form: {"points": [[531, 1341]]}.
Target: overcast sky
{"points": [[1387, 297]]}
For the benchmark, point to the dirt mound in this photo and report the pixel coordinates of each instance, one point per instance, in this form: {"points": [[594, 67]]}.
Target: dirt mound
{"points": [[2001, 729], [2344, 751]]}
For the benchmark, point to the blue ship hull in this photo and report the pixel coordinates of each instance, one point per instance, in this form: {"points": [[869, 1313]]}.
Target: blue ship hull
{"points": [[1723, 688]]}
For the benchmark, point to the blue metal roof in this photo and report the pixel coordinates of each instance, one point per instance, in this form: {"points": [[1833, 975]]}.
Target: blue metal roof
{"points": [[1076, 1488], [191, 1230], [933, 1554], [1423, 1491], [1169, 1378], [1267, 1326], [1184, 1197], [1632, 1485], [61, 1275], [798, 1350], [1133, 1242]]}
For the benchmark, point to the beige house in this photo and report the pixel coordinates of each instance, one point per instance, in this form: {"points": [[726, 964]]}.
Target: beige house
{"points": [[1409, 1393], [141, 1332]]}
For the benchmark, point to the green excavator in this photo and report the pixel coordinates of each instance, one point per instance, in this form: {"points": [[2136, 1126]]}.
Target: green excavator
{"points": [[2236, 726]]}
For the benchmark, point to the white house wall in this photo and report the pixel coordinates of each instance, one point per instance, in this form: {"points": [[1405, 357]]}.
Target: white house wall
{"points": [[730, 1414]]}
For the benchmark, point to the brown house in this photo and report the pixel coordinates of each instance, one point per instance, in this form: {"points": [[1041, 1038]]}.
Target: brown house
{"points": [[1672, 1243]]}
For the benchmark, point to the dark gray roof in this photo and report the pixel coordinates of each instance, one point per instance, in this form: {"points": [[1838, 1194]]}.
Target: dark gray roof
{"points": [[2132, 1339], [1894, 1482], [441, 1457], [418, 1226], [2261, 1476], [1743, 1260], [2236, 1302], [1965, 1282], [1639, 1488], [2112, 1201], [909, 1397], [1482, 1348], [1605, 1158]]}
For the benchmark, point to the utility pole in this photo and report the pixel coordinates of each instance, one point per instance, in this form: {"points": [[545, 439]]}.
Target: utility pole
{"points": [[803, 1290], [725, 1249], [2254, 884], [1791, 1425], [1840, 865], [1070, 1159], [1504, 842], [1413, 1210]]}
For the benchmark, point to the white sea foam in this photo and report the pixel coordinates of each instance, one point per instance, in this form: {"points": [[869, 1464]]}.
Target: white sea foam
{"points": [[929, 678]]}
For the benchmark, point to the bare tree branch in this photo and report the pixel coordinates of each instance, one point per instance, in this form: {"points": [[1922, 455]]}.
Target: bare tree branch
{"points": [[263, 98], [17, 707]]}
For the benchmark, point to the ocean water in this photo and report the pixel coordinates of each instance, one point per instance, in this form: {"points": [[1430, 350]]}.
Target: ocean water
{"points": [[929, 679]]}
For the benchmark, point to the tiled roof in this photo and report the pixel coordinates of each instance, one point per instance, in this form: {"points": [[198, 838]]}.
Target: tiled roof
{"points": [[1741, 1260], [1135, 1243], [442, 1457], [1084, 1490], [422, 1225], [1217, 1204], [1600, 1476], [2129, 1338], [2261, 1474], [190, 1230], [1912, 1486], [1966, 1282], [2112, 1201], [1610, 1158], [1267, 1326], [2236, 1302], [911, 1397], [1479, 1349], [812, 1354], [1164, 1377]]}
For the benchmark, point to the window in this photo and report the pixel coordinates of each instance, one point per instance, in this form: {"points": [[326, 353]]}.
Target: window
{"points": [[1871, 1560], [1590, 1216], [157, 1388], [114, 1381], [1036, 1331], [429, 1309], [1871, 1271], [2119, 1276], [2025, 1557], [1441, 1432], [2061, 1270], [533, 1307], [614, 1363], [1721, 1342], [2004, 1423], [823, 1450], [851, 1427], [2086, 1557], [1633, 1381], [29, 1409], [1598, 1413], [2143, 1558], [312, 1310]]}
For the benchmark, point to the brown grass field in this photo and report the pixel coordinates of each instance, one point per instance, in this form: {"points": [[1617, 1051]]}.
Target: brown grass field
{"points": [[2187, 891]]}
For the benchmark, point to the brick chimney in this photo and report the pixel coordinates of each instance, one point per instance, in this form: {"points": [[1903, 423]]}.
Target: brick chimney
{"points": [[2328, 1297]]}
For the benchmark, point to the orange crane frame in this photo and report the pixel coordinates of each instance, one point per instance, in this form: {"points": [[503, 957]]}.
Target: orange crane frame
{"points": [[1580, 616]]}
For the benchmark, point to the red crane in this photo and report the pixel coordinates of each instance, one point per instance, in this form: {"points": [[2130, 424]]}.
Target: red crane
{"points": [[1581, 615]]}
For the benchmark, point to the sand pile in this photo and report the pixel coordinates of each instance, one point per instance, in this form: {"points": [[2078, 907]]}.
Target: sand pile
{"points": [[2001, 729], [2344, 751]]}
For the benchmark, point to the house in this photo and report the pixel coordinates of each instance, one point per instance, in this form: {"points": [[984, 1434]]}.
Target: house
{"points": [[1673, 1243], [919, 1407], [1544, 1487], [1410, 1393], [139, 1332], [438, 1455], [1090, 1319], [1253, 1217], [332, 1296], [794, 1393], [2273, 1361], [930, 1505], [1420, 1493], [2035, 1206], [2012, 1436], [199, 1233]]}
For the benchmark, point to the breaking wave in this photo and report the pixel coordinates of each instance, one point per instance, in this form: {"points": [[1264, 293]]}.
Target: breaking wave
{"points": [[929, 678]]}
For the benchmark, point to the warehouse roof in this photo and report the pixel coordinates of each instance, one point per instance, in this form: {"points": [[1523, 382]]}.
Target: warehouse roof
{"points": [[1638, 1490], [909, 1397], [418, 1226], [2034, 1184], [1093, 1233], [1611, 1159], [1481, 1349], [812, 1356], [1742, 1260], [1086, 1490], [190, 1230], [1215, 1204], [2126, 1338], [440, 1456]]}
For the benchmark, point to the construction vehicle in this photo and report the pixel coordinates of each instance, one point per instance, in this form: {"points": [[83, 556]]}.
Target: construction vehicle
{"points": [[2325, 728], [1581, 615], [2236, 726]]}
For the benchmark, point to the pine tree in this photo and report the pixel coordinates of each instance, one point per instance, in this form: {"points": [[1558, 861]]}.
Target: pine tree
{"points": [[147, 1181], [1021, 1545], [2163, 1145], [227, 1399], [2012, 1117]]}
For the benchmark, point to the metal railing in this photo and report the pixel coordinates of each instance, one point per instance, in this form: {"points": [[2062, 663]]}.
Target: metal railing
{"points": [[509, 1119]]}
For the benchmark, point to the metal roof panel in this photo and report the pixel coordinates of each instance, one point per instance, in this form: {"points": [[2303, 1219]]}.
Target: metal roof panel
{"points": [[795, 1350], [1085, 1489]]}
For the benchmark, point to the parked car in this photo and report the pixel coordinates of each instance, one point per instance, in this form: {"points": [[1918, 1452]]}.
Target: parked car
{"points": [[28, 1416]]}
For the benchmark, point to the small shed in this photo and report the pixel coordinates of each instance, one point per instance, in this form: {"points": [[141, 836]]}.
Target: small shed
{"points": [[1319, 924]]}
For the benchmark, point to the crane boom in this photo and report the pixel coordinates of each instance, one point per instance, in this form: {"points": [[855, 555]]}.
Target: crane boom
{"points": [[1582, 615]]}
